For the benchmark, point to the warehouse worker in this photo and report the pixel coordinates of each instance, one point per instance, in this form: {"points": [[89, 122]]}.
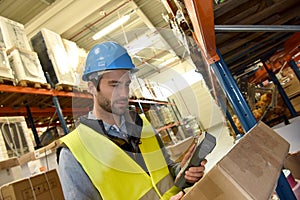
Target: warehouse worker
{"points": [[113, 154]]}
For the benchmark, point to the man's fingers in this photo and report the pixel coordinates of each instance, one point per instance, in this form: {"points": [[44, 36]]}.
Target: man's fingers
{"points": [[178, 196], [203, 162]]}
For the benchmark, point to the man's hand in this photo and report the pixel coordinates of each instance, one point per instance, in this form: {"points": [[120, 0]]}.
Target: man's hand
{"points": [[193, 174], [178, 196]]}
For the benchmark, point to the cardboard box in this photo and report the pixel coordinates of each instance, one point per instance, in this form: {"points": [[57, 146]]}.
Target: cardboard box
{"points": [[250, 170], [292, 163], [15, 161], [45, 186]]}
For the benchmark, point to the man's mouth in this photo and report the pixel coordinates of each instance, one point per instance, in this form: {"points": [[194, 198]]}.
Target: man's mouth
{"points": [[122, 102]]}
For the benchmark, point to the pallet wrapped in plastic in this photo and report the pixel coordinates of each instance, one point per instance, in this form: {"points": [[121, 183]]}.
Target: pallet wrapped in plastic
{"points": [[155, 89], [15, 137], [2, 44], [139, 90], [13, 34], [72, 53], [79, 70], [26, 67], [76, 57], [53, 57], [5, 70], [154, 118], [166, 114]]}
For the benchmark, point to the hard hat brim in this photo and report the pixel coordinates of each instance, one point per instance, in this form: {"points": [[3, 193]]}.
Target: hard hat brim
{"points": [[97, 74]]}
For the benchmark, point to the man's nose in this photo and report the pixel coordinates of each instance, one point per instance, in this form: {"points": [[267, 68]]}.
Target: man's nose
{"points": [[123, 91]]}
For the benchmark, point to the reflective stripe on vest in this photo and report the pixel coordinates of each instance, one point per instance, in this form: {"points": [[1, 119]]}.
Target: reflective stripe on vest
{"points": [[114, 173]]}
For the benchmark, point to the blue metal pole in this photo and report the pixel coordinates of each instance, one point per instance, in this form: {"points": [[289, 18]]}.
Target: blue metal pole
{"points": [[283, 189], [32, 126], [57, 106], [294, 66], [229, 117], [227, 113], [60, 115], [234, 95], [281, 91]]}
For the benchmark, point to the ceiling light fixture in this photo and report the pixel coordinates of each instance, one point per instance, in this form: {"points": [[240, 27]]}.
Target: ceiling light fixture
{"points": [[111, 27]]}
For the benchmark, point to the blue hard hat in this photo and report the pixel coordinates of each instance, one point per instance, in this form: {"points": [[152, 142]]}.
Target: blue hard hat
{"points": [[107, 56]]}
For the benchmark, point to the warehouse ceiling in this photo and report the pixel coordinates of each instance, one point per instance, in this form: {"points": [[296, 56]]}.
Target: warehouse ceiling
{"points": [[147, 34]]}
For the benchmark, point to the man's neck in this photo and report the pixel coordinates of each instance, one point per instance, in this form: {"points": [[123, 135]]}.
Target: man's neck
{"points": [[108, 117]]}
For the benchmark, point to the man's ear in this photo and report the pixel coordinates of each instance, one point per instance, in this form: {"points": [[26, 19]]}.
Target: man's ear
{"points": [[92, 88]]}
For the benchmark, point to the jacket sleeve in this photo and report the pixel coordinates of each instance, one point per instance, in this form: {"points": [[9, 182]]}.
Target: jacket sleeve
{"points": [[75, 183]]}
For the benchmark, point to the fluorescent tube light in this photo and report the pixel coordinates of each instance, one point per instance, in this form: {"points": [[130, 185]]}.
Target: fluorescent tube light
{"points": [[111, 27]]}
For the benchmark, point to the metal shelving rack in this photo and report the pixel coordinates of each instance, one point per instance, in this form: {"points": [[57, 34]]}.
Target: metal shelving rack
{"points": [[38, 104], [155, 104], [202, 18]]}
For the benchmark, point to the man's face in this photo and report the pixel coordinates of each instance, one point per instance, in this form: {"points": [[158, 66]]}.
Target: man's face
{"points": [[114, 91]]}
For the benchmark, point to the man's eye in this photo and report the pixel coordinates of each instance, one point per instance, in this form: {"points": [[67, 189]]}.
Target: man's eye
{"points": [[114, 85]]}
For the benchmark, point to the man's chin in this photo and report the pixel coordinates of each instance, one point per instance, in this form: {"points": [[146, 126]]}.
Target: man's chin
{"points": [[119, 111]]}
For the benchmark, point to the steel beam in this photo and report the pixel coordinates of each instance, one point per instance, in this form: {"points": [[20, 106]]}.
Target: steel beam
{"points": [[234, 95], [257, 28]]}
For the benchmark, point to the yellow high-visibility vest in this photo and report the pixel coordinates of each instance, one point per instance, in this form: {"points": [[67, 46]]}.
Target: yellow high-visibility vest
{"points": [[115, 174]]}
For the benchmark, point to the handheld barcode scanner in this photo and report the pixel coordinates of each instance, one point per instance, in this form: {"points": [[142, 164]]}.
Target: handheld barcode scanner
{"points": [[203, 148]]}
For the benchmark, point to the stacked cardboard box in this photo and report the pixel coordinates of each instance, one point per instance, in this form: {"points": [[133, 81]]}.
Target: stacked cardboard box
{"points": [[44, 186], [33, 162]]}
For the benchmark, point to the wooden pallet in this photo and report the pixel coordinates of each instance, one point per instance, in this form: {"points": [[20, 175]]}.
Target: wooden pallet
{"points": [[33, 84], [7, 81], [83, 90], [66, 88]]}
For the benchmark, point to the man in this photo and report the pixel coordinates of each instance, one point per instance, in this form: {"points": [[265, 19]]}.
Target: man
{"points": [[113, 154]]}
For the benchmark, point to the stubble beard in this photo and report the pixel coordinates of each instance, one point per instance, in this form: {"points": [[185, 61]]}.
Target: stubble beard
{"points": [[107, 105]]}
